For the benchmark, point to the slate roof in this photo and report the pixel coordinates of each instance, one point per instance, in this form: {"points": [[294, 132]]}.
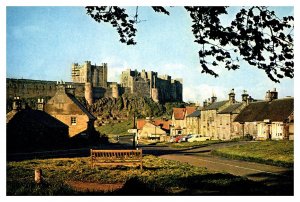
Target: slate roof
{"points": [[231, 109], [34, 116], [179, 113], [276, 110], [215, 105], [73, 98], [196, 113]]}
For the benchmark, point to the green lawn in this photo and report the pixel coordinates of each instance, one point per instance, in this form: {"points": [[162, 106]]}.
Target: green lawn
{"points": [[189, 144], [116, 128], [279, 153], [158, 176]]}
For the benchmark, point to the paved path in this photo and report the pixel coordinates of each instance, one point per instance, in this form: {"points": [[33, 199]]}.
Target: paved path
{"points": [[254, 171], [202, 157]]}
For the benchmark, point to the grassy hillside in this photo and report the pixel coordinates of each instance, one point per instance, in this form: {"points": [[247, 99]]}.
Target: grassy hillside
{"points": [[158, 176], [116, 128], [279, 153]]}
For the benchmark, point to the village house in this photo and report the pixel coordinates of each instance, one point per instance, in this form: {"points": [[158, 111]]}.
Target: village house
{"points": [[269, 119], [32, 130], [226, 129], [209, 122], [193, 122], [179, 115], [65, 107], [153, 129]]}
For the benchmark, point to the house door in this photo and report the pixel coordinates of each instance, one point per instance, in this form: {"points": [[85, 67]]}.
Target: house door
{"points": [[277, 131]]}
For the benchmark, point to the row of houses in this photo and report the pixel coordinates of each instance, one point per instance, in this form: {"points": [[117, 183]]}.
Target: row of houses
{"points": [[271, 118]]}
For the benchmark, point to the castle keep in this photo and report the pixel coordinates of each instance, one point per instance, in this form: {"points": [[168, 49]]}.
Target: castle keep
{"points": [[90, 81], [150, 84]]}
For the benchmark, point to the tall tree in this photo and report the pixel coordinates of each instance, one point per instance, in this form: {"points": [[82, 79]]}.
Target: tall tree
{"points": [[256, 35]]}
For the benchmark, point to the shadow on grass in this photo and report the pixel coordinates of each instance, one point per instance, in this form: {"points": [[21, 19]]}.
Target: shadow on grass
{"points": [[217, 184], [281, 184], [204, 185]]}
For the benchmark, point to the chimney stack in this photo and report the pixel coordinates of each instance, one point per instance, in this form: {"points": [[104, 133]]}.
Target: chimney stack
{"points": [[205, 103], [17, 103], [213, 98], [40, 104], [232, 96], [70, 90], [274, 94], [245, 96]]}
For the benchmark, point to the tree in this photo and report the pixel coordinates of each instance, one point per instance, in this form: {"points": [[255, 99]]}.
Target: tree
{"points": [[256, 35]]}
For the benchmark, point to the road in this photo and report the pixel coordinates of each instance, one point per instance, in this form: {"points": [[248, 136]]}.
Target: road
{"points": [[279, 178]]}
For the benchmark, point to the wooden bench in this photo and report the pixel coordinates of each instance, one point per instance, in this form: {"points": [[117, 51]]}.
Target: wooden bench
{"points": [[116, 157]]}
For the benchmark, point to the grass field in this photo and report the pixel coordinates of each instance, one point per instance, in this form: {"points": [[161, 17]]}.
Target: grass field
{"points": [[190, 144], [158, 177], [116, 128], [280, 153]]}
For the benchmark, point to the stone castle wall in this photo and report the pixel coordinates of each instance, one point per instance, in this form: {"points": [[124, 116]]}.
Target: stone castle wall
{"points": [[28, 88], [90, 81]]}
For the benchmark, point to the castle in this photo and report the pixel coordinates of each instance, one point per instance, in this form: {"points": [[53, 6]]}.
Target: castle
{"points": [[90, 81]]}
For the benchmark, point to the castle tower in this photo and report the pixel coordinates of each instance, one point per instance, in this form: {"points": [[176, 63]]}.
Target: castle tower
{"points": [[232, 96], [87, 71], [88, 92], [154, 94], [104, 75], [115, 91]]}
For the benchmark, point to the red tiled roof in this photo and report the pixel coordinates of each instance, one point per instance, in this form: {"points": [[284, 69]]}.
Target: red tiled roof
{"points": [[190, 110], [179, 113], [140, 123], [164, 124]]}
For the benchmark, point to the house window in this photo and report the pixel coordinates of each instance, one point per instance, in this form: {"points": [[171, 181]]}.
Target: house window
{"points": [[73, 121]]}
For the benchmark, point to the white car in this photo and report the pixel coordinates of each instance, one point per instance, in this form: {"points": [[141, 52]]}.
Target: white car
{"points": [[198, 138]]}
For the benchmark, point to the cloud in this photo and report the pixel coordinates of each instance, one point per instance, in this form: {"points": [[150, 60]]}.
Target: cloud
{"points": [[203, 91], [115, 67]]}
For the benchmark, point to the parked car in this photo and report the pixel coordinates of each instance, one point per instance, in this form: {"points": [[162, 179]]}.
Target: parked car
{"points": [[172, 139], [198, 138], [178, 138], [185, 138]]}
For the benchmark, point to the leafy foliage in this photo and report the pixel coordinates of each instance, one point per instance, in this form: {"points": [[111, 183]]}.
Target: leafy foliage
{"points": [[256, 35]]}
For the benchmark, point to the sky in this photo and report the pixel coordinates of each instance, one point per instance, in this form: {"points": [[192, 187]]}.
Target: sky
{"points": [[43, 42]]}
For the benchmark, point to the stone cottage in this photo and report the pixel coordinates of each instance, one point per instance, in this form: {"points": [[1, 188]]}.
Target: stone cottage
{"points": [[32, 130], [193, 122], [65, 107], [153, 129], [179, 116], [269, 119], [209, 122]]}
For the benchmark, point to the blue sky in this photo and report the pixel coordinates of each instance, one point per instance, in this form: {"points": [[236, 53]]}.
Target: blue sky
{"points": [[43, 42]]}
